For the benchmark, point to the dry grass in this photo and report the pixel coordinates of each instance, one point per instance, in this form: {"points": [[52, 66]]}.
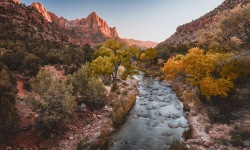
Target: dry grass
{"points": [[121, 110]]}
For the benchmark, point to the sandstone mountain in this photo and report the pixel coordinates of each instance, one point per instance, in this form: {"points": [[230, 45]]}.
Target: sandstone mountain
{"points": [[35, 22], [141, 44], [189, 32], [92, 29]]}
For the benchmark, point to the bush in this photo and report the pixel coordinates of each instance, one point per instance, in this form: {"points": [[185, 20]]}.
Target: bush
{"points": [[54, 99], [95, 94], [239, 135], [51, 118], [32, 64]]}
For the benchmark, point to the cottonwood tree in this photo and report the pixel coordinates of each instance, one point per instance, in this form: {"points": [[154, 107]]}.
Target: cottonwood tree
{"points": [[112, 55], [149, 56], [202, 70]]}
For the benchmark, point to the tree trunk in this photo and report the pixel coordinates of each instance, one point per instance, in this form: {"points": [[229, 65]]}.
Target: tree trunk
{"points": [[212, 108], [114, 76]]}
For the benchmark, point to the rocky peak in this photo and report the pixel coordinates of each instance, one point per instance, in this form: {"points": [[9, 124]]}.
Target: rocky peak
{"points": [[97, 23], [40, 8], [93, 14], [16, 1]]}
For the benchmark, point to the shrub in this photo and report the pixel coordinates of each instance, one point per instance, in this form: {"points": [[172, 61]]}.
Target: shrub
{"points": [[207, 128], [54, 99], [95, 93], [32, 64], [89, 86], [177, 145], [188, 134]]}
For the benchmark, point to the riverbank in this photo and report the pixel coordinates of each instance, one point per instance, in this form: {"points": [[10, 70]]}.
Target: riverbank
{"points": [[207, 135]]}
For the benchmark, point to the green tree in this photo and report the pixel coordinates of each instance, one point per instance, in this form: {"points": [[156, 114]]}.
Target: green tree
{"points": [[237, 25], [73, 55], [88, 52], [112, 55], [32, 64], [8, 113], [13, 58], [87, 85], [53, 58], [150, 56]]}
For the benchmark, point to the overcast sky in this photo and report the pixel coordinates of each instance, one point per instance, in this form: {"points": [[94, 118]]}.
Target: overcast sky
{"points": [[153, 20]]}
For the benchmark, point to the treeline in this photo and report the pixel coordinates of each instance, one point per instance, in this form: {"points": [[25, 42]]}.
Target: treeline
{"points": [[29, 57]]}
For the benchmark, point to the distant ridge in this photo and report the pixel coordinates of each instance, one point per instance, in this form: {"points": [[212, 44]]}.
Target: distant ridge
{"points": [[141, 44]]}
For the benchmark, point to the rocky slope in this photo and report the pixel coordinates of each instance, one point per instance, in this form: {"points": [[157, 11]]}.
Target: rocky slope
{"points": [[141, 44], [20, 22], [42, 10], [188, 32]]}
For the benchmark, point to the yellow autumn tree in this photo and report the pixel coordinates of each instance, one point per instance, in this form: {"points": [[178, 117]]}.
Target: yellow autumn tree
{"points": [[201, 70]]}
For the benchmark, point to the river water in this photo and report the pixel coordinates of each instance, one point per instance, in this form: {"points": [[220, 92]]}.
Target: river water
{"points": [[156, 120]]}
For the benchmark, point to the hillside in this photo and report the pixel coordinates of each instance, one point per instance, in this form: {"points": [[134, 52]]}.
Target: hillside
{"points": [[19, 22], [189, 32], [34, 22]]}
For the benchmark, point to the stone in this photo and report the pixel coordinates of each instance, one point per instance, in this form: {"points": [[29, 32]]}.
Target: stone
{"points": [[36, 115], [208, 143], [216, 145], [88, 126], [71, 138], [188, 146], [78, 136], [99, 116]]}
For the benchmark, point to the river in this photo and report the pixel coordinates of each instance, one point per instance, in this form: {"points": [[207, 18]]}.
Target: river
{"points": [[156, 120]]}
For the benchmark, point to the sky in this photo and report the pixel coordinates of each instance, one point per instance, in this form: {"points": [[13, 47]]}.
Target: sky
{"points": [[153, 20]]}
